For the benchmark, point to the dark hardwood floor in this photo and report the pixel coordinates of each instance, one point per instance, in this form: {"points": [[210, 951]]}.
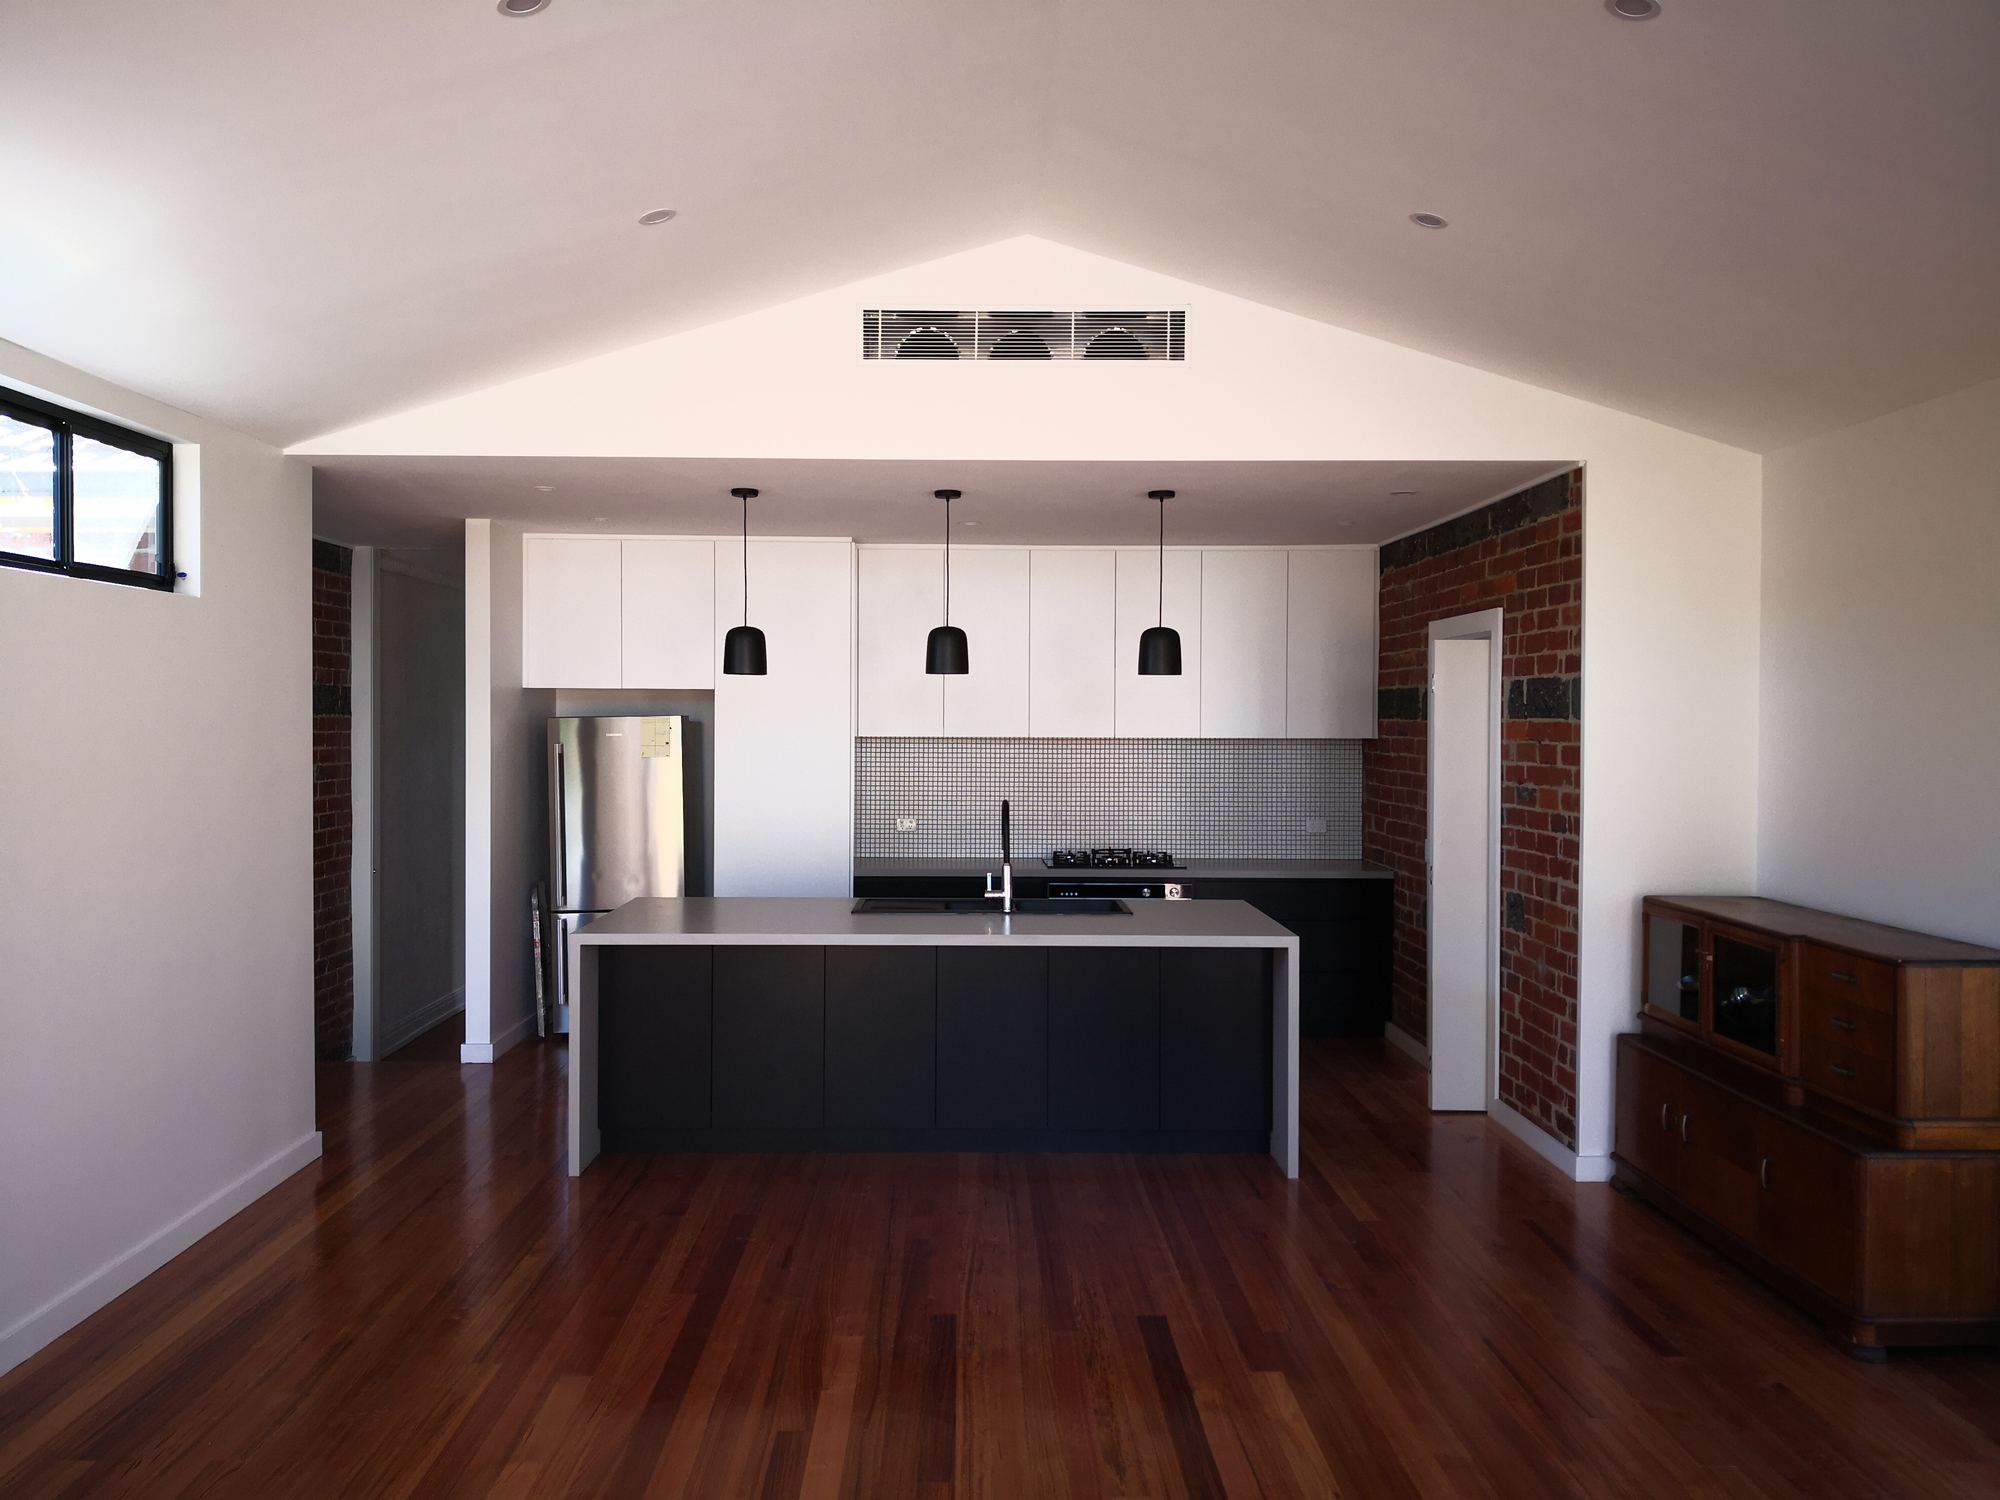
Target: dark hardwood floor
{"points": [[433, 1310]]}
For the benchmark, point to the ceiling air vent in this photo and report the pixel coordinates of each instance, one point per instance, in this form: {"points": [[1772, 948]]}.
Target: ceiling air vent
{"points": [[934, 334]]}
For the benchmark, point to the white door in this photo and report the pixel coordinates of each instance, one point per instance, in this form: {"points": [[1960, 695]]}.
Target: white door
{"points": [[901, 597], [1243, 645], [572, 621], [1330, 644], [1158, 707], [989, 601], [1073, 600], [1461, 898], [669, 614]]}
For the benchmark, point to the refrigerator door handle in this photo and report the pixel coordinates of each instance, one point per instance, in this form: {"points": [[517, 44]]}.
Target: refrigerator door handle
{"points": [[562, 831]]}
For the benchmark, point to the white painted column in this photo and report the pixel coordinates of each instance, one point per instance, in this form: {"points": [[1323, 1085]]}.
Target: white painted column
{"points": [[478, 1045], [361, 742]]}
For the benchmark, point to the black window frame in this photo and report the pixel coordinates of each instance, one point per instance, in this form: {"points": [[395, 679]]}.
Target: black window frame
{"points": [[68, 426]]}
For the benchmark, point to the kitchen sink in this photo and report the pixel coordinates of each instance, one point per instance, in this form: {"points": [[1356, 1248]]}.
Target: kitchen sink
{"points": [[1058, 906]]}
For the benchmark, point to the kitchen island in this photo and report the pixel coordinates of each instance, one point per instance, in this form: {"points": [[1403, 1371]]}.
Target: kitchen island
{"points": [[792, 1023]]}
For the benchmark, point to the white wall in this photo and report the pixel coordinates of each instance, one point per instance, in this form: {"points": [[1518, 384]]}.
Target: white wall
{"points": [[1671, 537], [1880, 764], [506, 797], [156, 987]]}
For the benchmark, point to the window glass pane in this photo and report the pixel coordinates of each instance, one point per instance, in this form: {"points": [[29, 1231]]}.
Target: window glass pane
{"points": [[27, 488], [117, 505]]}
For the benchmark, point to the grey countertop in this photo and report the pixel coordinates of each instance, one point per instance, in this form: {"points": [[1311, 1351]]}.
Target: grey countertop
{"points": [[1197, 869], [814, 921]]}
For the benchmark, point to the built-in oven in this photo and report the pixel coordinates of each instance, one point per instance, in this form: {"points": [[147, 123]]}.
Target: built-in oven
{"points": [[1125, 890]]}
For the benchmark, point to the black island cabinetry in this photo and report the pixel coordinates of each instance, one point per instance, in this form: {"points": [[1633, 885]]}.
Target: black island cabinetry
{"points": [[934, 1048]]}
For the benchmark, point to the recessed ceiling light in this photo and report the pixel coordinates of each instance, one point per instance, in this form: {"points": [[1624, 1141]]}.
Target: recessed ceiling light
{"points": [[1402, 492], [522, 7], [658, 216], [1633, 10], [600, 518], [1429, 221], [544, 488], [968, 523]]}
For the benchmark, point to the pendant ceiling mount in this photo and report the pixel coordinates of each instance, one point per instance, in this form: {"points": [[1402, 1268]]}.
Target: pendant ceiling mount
{"points": [[946, 653], [1160, 646], [743, 647]]}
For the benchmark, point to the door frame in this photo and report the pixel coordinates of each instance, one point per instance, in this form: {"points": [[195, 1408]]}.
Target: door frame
{"points": [[1488, 625]]}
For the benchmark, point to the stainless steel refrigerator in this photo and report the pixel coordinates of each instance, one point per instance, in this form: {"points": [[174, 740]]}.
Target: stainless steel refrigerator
{"points": [[616, 829]]}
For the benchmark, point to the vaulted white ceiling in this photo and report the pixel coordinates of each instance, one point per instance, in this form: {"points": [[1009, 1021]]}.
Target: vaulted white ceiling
{"points": [[1751, 219]]}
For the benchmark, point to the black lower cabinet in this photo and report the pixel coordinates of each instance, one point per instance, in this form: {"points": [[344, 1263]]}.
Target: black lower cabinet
{"points": [[933, 1049], [1104, 1038], [653, 1053], [770, 1038], [1346, 943], [992, 1038], [1215, 1039], [881, 1038]]}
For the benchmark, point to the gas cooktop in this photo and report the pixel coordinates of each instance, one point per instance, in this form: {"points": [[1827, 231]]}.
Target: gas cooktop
{"points": [[1111, 859]]}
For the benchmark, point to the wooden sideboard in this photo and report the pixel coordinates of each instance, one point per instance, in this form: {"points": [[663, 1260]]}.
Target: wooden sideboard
{"points": [[1819, 1098]]}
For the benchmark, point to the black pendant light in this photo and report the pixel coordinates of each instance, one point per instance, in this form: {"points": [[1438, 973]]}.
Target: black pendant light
{"points": [[743, 647], [1160, 647], [945, 654]]}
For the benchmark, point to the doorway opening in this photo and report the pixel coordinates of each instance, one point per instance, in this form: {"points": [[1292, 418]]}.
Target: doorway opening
{"points": [[1462, 860]]}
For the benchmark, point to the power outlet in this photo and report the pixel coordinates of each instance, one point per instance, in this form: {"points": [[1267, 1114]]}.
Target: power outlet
{"points": [[1315, 825], [906, 825]]}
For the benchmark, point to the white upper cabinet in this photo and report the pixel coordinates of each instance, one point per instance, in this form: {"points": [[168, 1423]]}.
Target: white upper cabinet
{"points": [[1158, 707], [902, 597], [989, 601], [1330, 659], [784, 742], [1072, 638], [669, 614], [1243, 622], [572, 606]]}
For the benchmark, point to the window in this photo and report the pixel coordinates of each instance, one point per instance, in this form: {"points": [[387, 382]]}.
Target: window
{"points": [[84, 497]]}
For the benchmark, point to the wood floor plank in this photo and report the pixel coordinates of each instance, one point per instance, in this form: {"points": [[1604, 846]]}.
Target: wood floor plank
{"points": [[435, 1312]]}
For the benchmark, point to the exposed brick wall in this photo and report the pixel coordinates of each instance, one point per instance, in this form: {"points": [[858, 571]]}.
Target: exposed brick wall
{"points": [[1523, 555], [333, 804]]}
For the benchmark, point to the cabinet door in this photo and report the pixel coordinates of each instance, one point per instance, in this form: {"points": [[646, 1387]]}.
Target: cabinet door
{"points": [[653, 1038], [1718, 1167], [901, 596], [669, 614], [992, 1038], [1330, 644], [1073, 599], [572, 626], [1649, 1095], [989, 601], [1243, 645], [1215, 1039], [784, 743], [881, 1038], [770, 1029], [1805, 1206], [1158, 707], [1104, 1038]]}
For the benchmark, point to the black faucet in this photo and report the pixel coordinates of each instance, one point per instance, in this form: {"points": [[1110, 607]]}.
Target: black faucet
{"points": [[1005, 894]]}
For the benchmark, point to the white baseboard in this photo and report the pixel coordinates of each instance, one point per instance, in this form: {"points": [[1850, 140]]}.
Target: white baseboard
{"points": [[486, 1052], [55, 1318], [1403, 1042], [1576, 1168], [418, 1022]]}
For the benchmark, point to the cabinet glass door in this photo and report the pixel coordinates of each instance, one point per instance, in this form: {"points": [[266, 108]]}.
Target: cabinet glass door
{"points": [[1673, 968], [1746, 993]]}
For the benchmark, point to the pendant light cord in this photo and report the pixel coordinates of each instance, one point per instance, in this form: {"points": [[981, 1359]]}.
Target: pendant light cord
{"points": [[1163, 562], [947, 559], [746, 560]]}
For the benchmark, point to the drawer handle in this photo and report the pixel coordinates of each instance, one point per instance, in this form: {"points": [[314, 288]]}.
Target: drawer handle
{"points": [[1843, 976], [1666, 1117], [1764, 1174], [1843, 1023], [1684, 1128], [1840, 1072]]}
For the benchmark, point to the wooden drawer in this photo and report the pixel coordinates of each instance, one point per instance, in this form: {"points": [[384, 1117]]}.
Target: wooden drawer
{"points": [[1842, 978], [1848, 1050]]}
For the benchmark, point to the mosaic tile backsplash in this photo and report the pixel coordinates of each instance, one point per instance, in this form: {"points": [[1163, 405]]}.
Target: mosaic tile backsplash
{"points": [[1197, 799]]}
